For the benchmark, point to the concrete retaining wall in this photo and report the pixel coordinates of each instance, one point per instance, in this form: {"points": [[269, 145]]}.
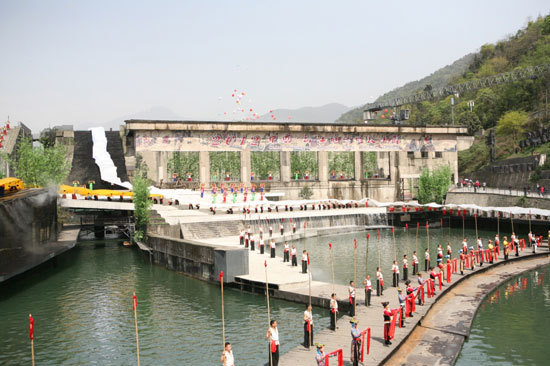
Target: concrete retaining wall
{"points": [[199, 260], [495, 200]]}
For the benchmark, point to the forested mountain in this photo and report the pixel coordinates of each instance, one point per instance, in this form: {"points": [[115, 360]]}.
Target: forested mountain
{"points": [[529, 46]]}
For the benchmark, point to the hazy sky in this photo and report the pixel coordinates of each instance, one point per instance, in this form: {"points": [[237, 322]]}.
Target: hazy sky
{"points": [[89, 62]]}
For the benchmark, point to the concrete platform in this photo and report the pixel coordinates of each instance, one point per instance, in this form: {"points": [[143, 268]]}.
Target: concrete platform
{"points": [[432, 349]]}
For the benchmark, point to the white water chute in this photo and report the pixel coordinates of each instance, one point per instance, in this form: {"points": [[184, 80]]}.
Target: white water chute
{"points": [[107, 168]]}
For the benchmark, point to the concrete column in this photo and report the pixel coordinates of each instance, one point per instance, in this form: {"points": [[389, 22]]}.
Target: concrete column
{"points": [[245, 166], [285, 166], [204, 167], [358, 173], [322, 160]]}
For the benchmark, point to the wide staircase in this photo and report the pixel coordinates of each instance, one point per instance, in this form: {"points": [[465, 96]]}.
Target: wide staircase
{"points": [[84, 168], [205, 230]]}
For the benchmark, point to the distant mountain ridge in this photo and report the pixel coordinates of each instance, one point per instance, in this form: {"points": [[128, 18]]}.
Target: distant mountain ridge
{"points": [[439, 78], [325, 113]]}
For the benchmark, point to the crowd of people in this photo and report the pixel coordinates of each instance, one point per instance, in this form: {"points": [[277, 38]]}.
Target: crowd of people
{"points": [[412, 293]]}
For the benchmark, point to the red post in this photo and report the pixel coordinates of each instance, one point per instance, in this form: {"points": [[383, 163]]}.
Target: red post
{"points": [[448, 272]]}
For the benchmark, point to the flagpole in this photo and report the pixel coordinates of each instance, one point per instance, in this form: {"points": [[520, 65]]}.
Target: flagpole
{"points": [[268, 312], [394, 249], [331, 265], [428, 234], [475, 219], [355, 273], [530, 222], [135, 320], [367, 257], [310, 329], [416, 244], [31, 336], [378, 236], [223, 313]]}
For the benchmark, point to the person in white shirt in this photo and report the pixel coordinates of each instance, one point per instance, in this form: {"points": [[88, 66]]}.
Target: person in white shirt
{"points": [[262, 246], [304, 261], [426, 260], [282, 228], [308, 327], [368, 289], [333, 311], [405, 268], [270, 231], [415, 263], [449, 250], [286, 253], [465, 246], [351, 291], [272, 247], [379, 282], [395, 270], [294, 256], [273, 336], [241, 237], [227, 356], [480, 249]]}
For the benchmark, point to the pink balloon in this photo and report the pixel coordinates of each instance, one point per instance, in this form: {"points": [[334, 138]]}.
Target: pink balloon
{"points": [[385, 111], [383, 116], [250, 109]]}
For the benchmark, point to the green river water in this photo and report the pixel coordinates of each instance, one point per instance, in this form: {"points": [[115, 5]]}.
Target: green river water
{"points": [[83, 306]]}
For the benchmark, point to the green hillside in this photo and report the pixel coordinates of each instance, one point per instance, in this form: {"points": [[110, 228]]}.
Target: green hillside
{"points": [[528, 47]]}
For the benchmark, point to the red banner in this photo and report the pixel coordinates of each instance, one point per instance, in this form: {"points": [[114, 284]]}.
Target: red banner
{"points": [[31, 327], [367, 332], [337, 353]]}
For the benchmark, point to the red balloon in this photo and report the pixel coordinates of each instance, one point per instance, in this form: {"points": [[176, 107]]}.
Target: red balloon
{"points": [[385, 111], [232, 95], [250, 109], [383, 116], [271, 111]]}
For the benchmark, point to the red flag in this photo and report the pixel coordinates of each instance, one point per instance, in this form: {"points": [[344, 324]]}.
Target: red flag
{"points": [[31, 327], [418, 224], [291, 219], [378, 233], [406, 226], [265, 263], [220, 276], [368, 236], [308, 259], [135, 301], [427, 225], [304, 225], [355, 243], [392, 229], [475, 215], [330, 245]]}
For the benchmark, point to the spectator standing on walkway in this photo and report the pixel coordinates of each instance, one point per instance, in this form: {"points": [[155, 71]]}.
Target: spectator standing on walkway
{"points": [[484, 186]]}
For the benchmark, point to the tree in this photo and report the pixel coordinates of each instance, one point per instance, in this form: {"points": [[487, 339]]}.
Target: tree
{"points": [[511, 124], [306, 192], [263, 162], [302, 161], [342, 162], [47, 137], [182, 162], [40, 166], [433, 185], [223, 162], [470, 120], [142, 204], [370, 163]]}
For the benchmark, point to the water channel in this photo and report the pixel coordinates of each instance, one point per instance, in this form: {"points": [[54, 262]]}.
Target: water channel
{"points": [[511, 324], [83, 310], [83, 314]]}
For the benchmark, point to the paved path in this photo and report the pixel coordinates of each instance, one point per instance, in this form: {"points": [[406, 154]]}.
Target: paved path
{"points": [[372, 317], [439, 339]]}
